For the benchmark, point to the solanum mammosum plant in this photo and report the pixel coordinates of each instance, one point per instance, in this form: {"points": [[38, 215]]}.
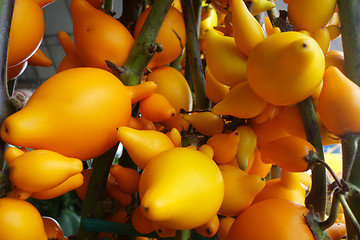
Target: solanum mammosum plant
{"points": [[183, 119]]}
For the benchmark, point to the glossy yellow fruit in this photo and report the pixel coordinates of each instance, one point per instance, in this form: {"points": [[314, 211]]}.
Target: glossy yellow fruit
{"points": [[224, 59], [43, 164], [72, 58], [156, 108], [225, 146], [144, 145], [172, 85], [214, 90], [210, 20], [260, 6], [268, 113], [210, 228], [247, 30], [323, 38], [339, 115], [240, 189], [181, 188], [39, 59], [272, 219], [287, 187], [206, 123], [246, 146], [175, 137], [98, 36], [241, 102], [310, 15], [289, 153], [69, 184], [224, 227], [285, 68], [20, 220], [83, 107], [335, 58]]}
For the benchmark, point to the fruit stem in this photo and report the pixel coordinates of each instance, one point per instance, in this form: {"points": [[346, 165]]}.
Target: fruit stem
{"points": [[333, 211], [349, 147], [350, 215], [317, 198], [182, 235], [6, 11], [349, 16], [193, 56], [109, 7], [351, 166], [93, 203], [140, 56], [130, 14]]}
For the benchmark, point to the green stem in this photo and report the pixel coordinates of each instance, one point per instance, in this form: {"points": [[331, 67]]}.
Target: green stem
{"points": [[109, 6], [93, 203], [145, 44], [193, 56], [350, 215], [317, 198], [333, 212], [130, 14], [349, 14], [182, 235], [6, 11], [349, 146]]}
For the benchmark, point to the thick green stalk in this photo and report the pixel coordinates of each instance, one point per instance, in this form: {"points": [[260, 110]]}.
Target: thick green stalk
{"points": [[182, 235], [317, 197], [349, 13], [349, 146], [145, 44], [193, 56], [130, 14], [93, 203], [109, 6], [6, 11]]}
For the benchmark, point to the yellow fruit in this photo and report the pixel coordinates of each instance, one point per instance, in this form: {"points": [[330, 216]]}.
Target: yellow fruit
{"points": [[20, 220], [287, 187], [143, 145], [224, 60], [240, 102], [272, 219], [247, 30], [240, 189], [224, 146], [285, 68], [214, 90], [29, 170], [206, 123], [246, 146], [310, 15], [181, 188]]}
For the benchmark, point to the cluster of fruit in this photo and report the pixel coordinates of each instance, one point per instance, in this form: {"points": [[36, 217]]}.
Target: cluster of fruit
{"points": [[203, 170]]}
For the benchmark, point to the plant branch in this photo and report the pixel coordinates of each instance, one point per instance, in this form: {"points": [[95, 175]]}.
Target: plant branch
{"points": [[350, 215], [6, 11], [349, 145], [193, 56], [93, 203], [182, 235], [130, 14], [333, 211], [349, 15], [317, 198], [145, 45]]}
